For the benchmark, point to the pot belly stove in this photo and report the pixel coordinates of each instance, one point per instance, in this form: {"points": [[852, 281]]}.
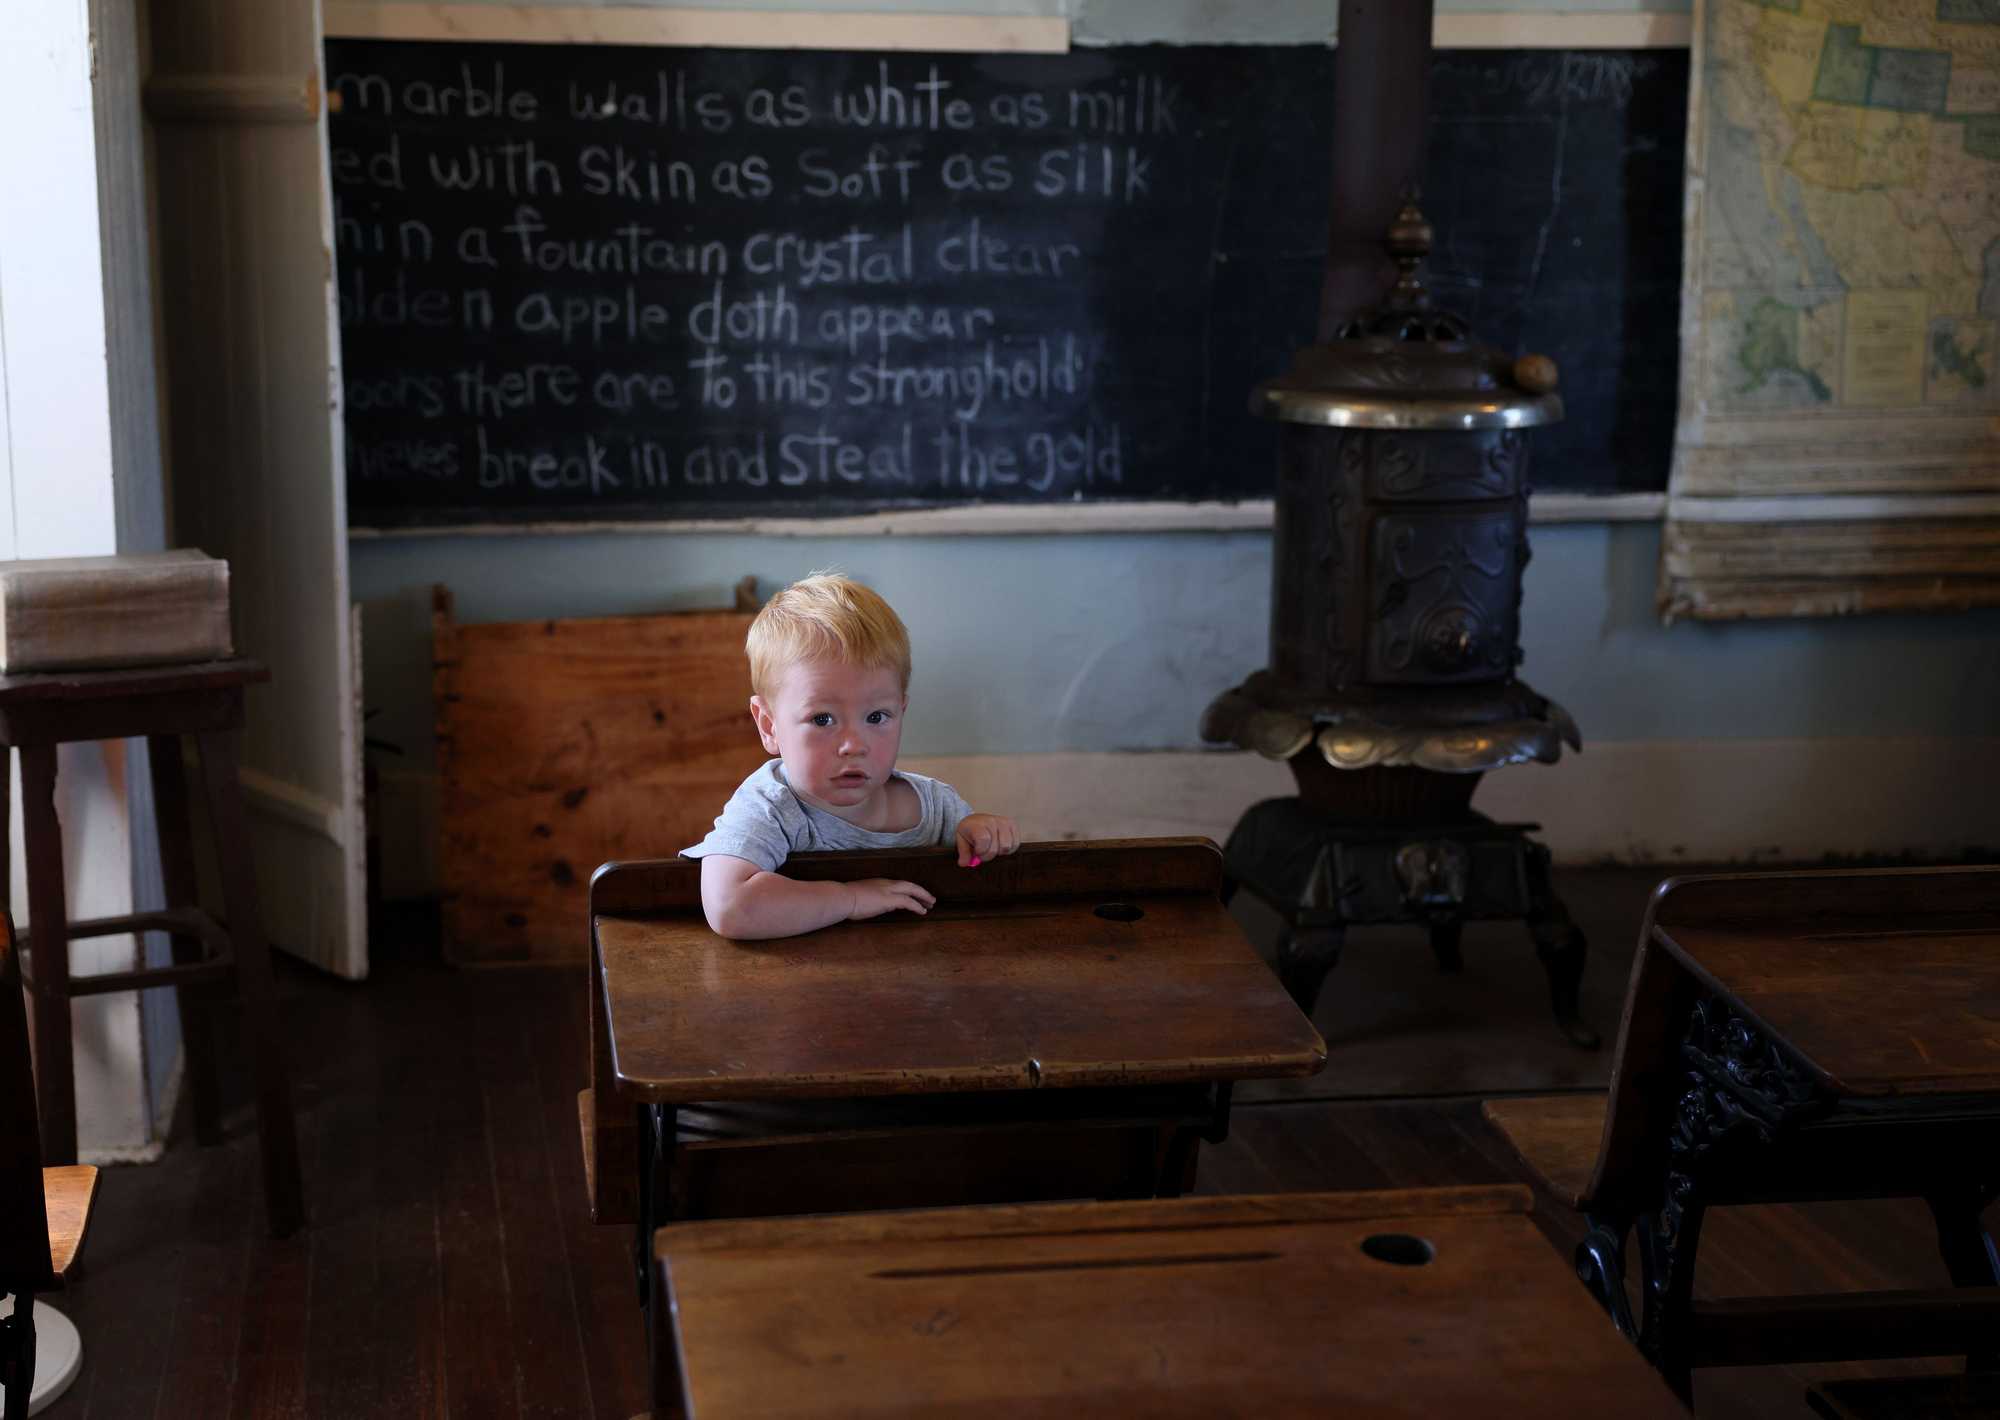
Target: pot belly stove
{"points": [[1399, 541]]}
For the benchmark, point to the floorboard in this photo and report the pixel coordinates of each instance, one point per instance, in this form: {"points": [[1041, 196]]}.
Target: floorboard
{"points": [[450, 1268]]}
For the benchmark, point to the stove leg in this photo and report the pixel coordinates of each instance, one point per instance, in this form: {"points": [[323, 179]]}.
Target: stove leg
{"points": [[1305, 956], [1444, 945], [1560, 946]]}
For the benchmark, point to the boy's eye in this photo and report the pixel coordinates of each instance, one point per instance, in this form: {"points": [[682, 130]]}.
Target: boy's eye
{"points": [[822, 719], [878, 717]]}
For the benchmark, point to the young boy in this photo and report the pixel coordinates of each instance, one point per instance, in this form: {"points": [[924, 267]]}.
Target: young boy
{"points": [[830, 665]]}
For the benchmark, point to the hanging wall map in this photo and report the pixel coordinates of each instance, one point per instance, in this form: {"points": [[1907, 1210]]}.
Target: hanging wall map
{"points": [[1843, 296]]}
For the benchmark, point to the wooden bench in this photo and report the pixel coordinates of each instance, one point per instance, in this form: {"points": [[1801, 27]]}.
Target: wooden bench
{"points": [[1789, 1037]]}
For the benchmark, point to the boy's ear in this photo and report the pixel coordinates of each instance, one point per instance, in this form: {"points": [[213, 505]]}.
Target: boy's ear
{"points": [[760, 713]]}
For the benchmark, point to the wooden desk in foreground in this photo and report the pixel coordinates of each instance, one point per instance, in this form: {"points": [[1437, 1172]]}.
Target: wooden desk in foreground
{"points": [[1433, 1302]]}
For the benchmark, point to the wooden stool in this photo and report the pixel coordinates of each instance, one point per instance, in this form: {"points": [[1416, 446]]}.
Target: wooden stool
{"points": [[162, 703]]}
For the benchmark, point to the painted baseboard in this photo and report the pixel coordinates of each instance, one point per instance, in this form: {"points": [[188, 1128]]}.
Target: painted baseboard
{"points": [[161, 1125], [1629, 801]]}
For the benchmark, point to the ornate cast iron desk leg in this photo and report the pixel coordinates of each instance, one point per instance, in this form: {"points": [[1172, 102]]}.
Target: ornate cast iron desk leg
{"points": [[1600, 1266], [1738, 1087]]}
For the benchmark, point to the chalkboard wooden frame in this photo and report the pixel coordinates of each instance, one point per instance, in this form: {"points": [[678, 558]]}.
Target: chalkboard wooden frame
{"points": [[835, 28], [873, 30], [1558, 82]]}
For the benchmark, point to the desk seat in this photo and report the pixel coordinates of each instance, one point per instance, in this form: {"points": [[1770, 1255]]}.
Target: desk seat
{"points": [[1556, 1137]]}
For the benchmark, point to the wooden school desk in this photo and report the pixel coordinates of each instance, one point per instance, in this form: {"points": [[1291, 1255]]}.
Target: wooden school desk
{"points": [[1426, 1302], [1066, 1022], [1792, 1036]]}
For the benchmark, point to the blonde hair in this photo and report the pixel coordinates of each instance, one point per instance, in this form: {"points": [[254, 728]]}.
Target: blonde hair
{"points": [[826, 617]]}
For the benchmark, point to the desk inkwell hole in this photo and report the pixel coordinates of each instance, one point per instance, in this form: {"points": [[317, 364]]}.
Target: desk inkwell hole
{"points": [[1119, 912], [1398, 1249]]}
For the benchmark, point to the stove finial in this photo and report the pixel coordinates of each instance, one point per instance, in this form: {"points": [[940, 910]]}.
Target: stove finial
{"points": [[1409, 243]]}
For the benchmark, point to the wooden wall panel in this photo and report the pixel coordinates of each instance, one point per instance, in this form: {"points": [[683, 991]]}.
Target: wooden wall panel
{"points": [[565, 744]]}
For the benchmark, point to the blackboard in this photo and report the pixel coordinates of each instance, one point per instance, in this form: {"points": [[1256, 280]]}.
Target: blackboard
{"points": [[605, 283]]}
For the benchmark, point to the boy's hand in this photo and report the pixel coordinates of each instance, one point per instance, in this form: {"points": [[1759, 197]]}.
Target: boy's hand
{"points": [[983, 836], [875, 896]]}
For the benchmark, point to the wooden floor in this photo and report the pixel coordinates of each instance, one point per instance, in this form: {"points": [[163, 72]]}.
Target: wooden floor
{"points": [[449, 1268]]}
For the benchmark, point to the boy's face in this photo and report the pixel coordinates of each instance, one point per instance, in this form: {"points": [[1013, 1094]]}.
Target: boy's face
{"points": [[838, 728]]}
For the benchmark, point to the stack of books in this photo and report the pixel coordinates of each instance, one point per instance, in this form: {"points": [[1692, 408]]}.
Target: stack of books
{"points": [[94, 613]]}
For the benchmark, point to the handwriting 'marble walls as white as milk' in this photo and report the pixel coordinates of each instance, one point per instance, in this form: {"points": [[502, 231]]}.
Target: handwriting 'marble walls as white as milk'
{"points": [[818, 301], [1143, 105]]}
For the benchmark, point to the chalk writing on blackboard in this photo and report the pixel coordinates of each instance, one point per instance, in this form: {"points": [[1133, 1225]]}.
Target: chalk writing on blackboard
{"points": [[784, 321], [593, 282]]}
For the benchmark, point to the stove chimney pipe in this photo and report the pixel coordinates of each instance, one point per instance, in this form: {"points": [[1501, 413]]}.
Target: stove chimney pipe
{"points": [[1381, 98]]}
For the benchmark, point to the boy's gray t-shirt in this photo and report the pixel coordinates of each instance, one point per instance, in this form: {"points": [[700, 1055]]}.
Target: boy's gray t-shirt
{"points": [[764, 822]]}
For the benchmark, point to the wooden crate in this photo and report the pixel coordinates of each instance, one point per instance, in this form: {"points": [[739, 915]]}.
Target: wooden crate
{"points": [[566, 744]]}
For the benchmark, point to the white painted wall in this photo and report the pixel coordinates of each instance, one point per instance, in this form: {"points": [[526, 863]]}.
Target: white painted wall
{"points": [[1053, 656], [139, 491], [52, 330], [62, 499]]}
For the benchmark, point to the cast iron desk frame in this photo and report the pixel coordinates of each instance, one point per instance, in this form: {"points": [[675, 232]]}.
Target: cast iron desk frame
{"points": [[1212, 1014], [1790, 1037]]}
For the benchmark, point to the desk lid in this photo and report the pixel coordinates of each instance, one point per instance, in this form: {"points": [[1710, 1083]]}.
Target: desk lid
{"points": [[1107, 964], [1883, 982], [1196, 1306]]}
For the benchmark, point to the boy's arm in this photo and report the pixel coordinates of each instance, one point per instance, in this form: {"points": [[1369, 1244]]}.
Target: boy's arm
{"points": [[749, 903]]}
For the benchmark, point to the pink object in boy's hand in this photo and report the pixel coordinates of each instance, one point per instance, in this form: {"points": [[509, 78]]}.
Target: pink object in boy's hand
{"points": [[974, 863]]}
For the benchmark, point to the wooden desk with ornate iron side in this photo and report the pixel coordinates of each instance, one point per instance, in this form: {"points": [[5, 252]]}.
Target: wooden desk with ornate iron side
{"points": [[1793, 1036]]}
